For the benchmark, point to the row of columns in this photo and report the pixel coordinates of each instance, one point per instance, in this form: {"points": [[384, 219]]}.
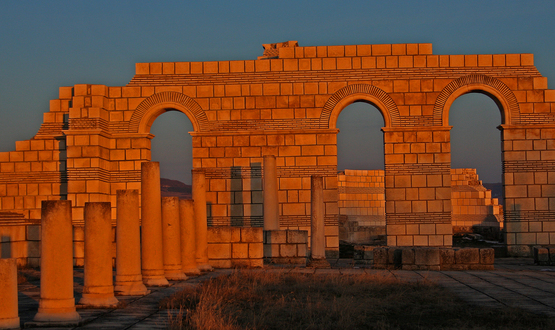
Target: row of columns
{"points": [[174, 245], [167, 250]]}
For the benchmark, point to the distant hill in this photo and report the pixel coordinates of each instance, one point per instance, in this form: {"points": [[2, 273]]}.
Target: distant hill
{"points": [[175, 188]]}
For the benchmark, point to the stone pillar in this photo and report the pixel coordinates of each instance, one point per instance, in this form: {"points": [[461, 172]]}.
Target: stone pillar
{"points": [[418, 186], [151, 222], [318, 211], [98, 288], [271, 203], [129, 280], [57, 303], [201, 224], [188, 244], [9, 317], [171, 234]]}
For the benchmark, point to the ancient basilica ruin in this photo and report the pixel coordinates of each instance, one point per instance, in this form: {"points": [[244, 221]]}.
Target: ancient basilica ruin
{"points": [[285, 104]]}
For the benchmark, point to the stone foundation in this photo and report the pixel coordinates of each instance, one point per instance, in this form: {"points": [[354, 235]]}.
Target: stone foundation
{"points": [[414, 258], [230, 247], [285, 247]]}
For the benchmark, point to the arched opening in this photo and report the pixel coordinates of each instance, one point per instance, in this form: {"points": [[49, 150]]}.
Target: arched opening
{"points": [[172, 147], [476, 168], [360, 162]]}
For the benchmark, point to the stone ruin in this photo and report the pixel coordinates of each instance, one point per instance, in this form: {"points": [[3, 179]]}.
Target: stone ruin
{"points": [[94, 139]]}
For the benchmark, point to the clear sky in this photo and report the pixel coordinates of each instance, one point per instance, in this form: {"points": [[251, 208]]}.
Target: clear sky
{"points": [[48, 44]]}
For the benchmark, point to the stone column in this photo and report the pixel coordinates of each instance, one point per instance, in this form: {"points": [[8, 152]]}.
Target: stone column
{"points": [[188, 245], [151, 223], [98, 288], [9, 317], [271, 203], [57, 303], [317, 237], [171, 234], [201, 224], [129, 280]]}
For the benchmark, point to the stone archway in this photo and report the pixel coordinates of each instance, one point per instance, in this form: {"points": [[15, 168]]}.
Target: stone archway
{"points": [[149, 109], [356, 93], [496, 89]]}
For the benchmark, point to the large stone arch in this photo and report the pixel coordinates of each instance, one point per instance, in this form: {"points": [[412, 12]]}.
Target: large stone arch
{"points": [[150, 108], [359, 92], [495, 88]]}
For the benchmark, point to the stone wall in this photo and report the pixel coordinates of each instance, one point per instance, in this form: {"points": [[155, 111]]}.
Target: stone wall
{"points": [[361, 205], [94, 137]]}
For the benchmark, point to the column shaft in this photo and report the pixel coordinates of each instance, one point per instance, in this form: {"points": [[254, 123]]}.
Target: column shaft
{"points": [[318, 236], [201, 223], [188, 246], [151, 223], [98, 288], [271, 202], [129, 280], [57, 303], [171, 239], [9, 314]]}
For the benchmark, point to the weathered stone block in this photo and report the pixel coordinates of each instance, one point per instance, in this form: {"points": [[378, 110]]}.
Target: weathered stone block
{"points": [[256, 250], [297, 236], [240, 251], [252, 235], [219, 250], [380, 258], [407, 256], [467, 256], [541, 255], [447, 257], [219, 235], [275, 237], [487, 256], [427, 257], [288, 250]]}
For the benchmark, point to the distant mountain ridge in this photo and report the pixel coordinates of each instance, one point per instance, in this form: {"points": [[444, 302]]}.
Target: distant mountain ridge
{"points": [[175, 188]]}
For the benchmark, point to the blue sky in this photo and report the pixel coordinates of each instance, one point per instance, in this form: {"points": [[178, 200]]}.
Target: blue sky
{"points": [[48, 44]]}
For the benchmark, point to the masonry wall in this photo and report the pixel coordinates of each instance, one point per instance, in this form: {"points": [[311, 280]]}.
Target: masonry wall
{"points": [[94, 137]]}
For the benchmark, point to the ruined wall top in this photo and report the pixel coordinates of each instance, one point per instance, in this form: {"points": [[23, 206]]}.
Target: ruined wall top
{"points": [[292, 57]]}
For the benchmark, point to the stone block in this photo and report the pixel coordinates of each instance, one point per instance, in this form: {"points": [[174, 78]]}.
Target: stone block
{"points": [[552, 255], [256, 250], [240, 251], [487, 256], [541, 255], [407, 257], [467, 256], [219, 235], [302, 250], [219, 250], [288, 250], [297, 236], [222, 264], [275, 237], [447, 257], [252, 235], [427, 257]]}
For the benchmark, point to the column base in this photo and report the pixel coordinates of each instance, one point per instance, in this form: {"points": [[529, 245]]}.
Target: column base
{"points": [[97, 300], [55, 319], [134, 288], [155, 281], [318, 263], [205, 268], [192, 271], [175, 276], [9, 323]]}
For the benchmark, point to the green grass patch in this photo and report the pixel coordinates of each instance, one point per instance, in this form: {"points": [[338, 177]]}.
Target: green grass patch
{"points": [[270, 300]]}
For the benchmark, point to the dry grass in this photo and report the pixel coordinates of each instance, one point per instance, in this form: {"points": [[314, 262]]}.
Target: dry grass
{"points": [[262, 300]]}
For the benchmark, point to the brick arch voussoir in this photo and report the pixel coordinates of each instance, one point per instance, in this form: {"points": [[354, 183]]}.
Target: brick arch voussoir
{"points": [[391, 117], [183, 103], [478, 83]]}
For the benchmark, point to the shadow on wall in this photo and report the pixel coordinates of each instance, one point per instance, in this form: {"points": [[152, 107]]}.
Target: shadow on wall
{"points": [[6, 247]]}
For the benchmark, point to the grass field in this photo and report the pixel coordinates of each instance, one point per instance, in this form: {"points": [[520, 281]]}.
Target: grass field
{"points": [[278, 300]]}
